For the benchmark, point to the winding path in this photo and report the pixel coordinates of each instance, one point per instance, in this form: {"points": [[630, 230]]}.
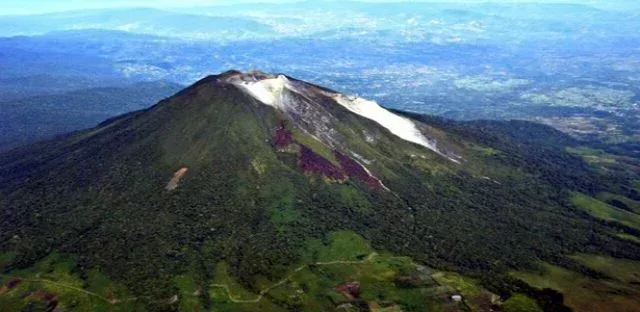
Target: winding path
{"points": [[223, 286], [226, 287], [263, 292], [46, 281]]}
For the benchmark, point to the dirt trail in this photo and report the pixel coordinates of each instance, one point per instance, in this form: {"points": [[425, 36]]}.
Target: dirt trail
{"points": [[223, 286], [226, 287], [90, 293], [173, 184], [263, 292]]}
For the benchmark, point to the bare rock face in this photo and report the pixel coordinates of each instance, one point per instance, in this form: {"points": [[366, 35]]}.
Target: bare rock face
{"points": [[313, 109]]}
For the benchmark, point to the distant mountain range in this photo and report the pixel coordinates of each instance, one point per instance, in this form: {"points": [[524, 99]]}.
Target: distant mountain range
{"points": [[470, 22], [143, 21]]}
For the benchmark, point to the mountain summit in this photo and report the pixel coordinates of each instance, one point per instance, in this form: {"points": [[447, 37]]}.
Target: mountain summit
{"points": [[312, 107], [243, 179]]}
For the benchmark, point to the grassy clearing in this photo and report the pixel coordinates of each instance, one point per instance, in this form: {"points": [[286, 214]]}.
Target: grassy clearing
{"points": [[55, 276], [380, 279], [630, 203], [385, 282], [484, 151], [582, 293], [466, 286], [604, 211], [628, 237], [223, 277], [189, 292], [343, 245], [314, 288], [477, 298], [224, 290], [626, 271], [520, 303], [592, 156]]}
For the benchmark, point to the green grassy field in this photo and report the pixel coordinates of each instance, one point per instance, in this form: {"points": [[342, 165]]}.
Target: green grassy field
{"points": [[520, 303], [582, 293], [476, 298], [385, 283], [602, 210], [623, 270], [630, 203], [189, 292], [592, 156], [226, 294], [628, 237], [54, 279], [338, 246]]}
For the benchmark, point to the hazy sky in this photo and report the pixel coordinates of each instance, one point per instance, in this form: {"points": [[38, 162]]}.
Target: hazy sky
{"points": [[42, 6]]}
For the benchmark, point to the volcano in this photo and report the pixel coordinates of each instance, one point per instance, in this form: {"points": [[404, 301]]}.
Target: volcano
{"points": [[227, 186]]}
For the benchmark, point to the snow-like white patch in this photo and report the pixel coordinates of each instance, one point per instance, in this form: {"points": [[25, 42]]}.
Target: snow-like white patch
{"points": [[268, 91], [291, 97], [276, 91], [398, 125], [360, 158]]}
